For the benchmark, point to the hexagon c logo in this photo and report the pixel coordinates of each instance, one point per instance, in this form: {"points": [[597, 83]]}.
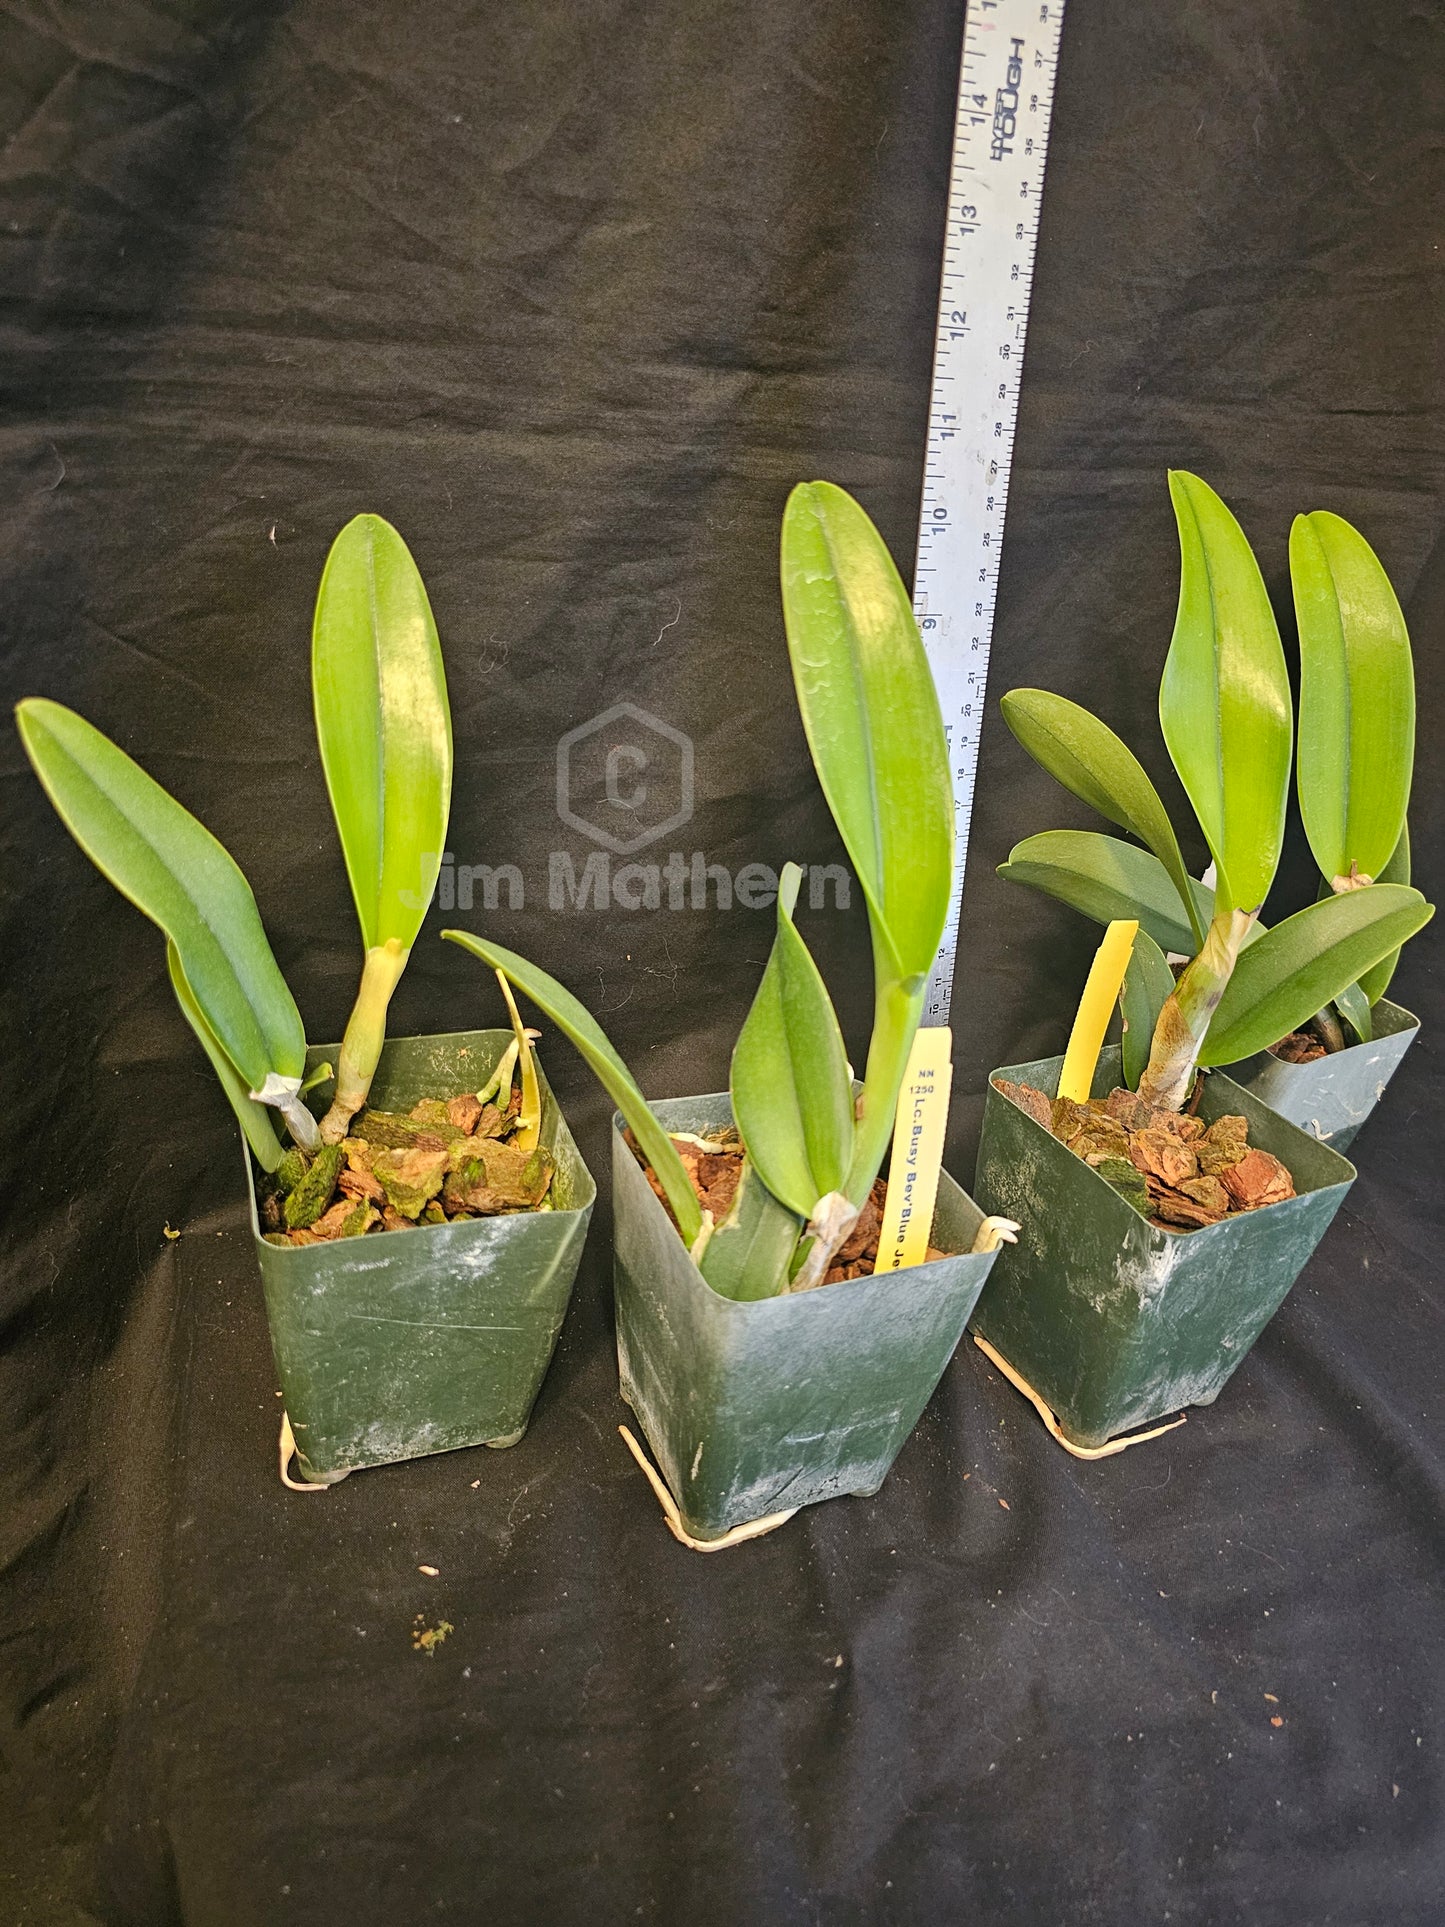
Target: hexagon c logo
{"points": [[624, 778]]}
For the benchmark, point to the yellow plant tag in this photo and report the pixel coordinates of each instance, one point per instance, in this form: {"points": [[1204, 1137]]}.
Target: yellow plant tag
{"points": [[917, 1151], [1096, 1006]]}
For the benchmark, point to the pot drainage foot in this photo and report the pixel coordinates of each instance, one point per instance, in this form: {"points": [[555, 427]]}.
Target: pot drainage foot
{"points": [[505, 1444], [286, 1451], [1056, 1431], [753, 1529]]}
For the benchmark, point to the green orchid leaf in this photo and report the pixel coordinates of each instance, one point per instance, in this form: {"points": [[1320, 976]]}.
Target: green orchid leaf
{"points": [[749, 1254], [319, 1074], [173, 869], [1376, 982], [1354, 1007], [791, 1088], [1148, 982], [254, 1118], [384, 726], [1090, 760], [1357, 699], [577, 1023], [1224, 700], [528, 1134], [871, 715], [1305, 962], [872, 719], [1106, 879]]}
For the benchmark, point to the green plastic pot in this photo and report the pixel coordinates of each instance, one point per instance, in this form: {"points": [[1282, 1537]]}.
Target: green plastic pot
{"points": [[1333, 1097], [404, 1343], [1113, 1321], [756, 1407]]}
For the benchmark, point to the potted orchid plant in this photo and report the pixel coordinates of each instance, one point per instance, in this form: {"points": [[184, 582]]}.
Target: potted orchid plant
{"points": [[1166, 1213], [1354, 763], [770, 1363], [417, 1239], [1354, 767]]}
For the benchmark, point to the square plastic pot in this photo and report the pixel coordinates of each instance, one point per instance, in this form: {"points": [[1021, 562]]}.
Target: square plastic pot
{"points": [[404, 1343], [1332, 1098], [755, 1407], [1112, 1320]]}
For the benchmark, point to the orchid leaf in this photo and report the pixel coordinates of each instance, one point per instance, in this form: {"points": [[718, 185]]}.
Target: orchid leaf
{"points": [[1305, 962], [1224, 700], [1376, 982], [792, 1091], [1354, 1007], [1091, 761], [384, 726], [871, 716], [528, 1134], [749, 1253], [1148, 981], [498, 1087], [1107, 879], [173, 869], [872, 719], [576, 1023], [254, 1118], [385, 732], [1357, 699]]}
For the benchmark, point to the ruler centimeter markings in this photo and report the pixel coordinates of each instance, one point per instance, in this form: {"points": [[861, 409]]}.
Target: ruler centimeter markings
{"points": [[1000, 143]]}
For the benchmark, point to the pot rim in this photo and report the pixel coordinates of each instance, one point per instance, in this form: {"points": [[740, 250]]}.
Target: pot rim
{"points": [[755, 1307], [1406, 1030], [470, 1227], [1163, 1232]]}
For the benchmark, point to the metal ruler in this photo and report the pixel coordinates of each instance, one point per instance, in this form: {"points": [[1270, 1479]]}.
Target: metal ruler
{"points": [[1000, 142]]}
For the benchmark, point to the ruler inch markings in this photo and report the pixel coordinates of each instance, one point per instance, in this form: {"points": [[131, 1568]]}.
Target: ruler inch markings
{"points": [[996, 178]]}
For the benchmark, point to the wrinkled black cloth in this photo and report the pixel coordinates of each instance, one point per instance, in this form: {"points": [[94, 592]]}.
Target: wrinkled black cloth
{"points": [[573, 293]]}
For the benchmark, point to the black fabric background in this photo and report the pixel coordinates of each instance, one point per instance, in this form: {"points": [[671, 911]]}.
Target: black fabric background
{"points": [[573, 292]]}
